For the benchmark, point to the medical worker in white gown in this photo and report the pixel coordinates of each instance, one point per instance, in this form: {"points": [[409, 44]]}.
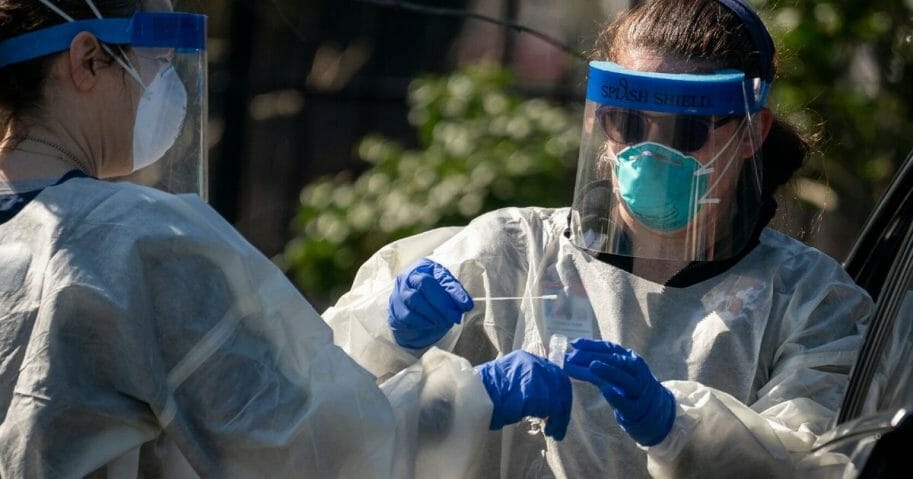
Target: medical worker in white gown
{"points": [[703, 343], [140, 334]]}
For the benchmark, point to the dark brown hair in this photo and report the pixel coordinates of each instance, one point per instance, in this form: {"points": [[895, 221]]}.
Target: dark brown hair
{"points": [[710, 35], [21, 84]]}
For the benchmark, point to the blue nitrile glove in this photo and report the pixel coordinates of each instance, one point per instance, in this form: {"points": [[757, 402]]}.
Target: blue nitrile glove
{"points": [[521, 384], [644, 408], [425, 303]]}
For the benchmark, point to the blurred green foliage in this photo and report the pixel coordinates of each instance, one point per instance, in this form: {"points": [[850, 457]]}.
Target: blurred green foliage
{"points": [[480, 147], [845, 74]]}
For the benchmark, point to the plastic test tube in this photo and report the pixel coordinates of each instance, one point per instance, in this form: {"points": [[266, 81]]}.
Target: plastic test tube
{"points": [[557, 346]]}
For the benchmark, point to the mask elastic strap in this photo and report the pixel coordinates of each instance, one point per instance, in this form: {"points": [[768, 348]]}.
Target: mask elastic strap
{"points": [[57, 10], [94, 9], [706, 170], [123, 62]]}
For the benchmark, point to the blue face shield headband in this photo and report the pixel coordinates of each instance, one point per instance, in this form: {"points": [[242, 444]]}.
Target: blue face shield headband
{"points": [[181, 31], [721, 93]]}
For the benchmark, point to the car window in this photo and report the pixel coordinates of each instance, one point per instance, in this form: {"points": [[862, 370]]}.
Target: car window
{"points": [[881, 379], [882, 262], [892, 386], [879, 244]]}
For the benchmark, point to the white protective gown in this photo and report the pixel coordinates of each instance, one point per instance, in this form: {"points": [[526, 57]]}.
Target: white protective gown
{"points": [[142, 336], [757, 357]]}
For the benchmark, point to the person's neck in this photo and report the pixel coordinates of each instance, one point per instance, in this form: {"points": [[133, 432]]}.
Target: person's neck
{"points": [[657, 271], [42, 151], [650, 244], [656, 256], [20, 165]]}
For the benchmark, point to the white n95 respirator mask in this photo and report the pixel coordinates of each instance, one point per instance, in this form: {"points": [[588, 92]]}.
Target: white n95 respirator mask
{"points": [[159, 118]]}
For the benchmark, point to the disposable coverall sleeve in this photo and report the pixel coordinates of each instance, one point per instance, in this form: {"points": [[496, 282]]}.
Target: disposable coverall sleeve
{"points": [[818, 338], [147, 337], [307, 406], [203, 343]]}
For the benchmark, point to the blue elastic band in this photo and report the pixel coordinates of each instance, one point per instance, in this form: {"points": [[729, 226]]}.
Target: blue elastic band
{"points": [[759, 34], [185, 31], [721, 93]]}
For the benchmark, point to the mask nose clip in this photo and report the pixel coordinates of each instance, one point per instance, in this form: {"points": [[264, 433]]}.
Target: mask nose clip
{"points": [[662, 157]]}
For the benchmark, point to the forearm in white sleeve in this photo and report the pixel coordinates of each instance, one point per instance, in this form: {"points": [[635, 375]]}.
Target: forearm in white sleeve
{"points": [[442, 412]]}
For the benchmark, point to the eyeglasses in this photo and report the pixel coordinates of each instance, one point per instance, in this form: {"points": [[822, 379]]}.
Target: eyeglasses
{"points": [[629, 127]]}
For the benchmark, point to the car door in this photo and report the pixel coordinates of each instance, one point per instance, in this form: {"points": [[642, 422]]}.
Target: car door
{"points": [[875, 421]]}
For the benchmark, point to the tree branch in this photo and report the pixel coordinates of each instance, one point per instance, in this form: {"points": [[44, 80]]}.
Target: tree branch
{"points": [[456, 12]]}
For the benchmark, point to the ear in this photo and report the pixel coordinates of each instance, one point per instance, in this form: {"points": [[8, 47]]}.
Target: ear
{"points": [[761, 126], [85, 52]]}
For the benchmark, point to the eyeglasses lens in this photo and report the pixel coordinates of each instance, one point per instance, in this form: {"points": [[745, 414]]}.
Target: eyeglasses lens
{"points": [[628, 127], [690, 134]]}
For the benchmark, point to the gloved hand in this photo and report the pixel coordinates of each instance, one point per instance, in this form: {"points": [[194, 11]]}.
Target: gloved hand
{"points": [[425, 303], [644, 408], [521, 384]]}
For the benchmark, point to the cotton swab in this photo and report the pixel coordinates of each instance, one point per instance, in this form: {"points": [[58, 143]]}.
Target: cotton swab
{"points": [[514, 298]]}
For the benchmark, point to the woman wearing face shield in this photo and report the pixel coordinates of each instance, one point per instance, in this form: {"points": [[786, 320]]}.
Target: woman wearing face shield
{"points": [[704, 343], [139, 332]]}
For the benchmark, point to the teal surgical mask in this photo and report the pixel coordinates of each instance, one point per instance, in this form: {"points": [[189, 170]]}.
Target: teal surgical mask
{"points": [[663, 188]]}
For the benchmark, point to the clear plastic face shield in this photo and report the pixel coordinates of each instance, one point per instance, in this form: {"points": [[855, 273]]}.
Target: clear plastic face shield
{"points": [[169, 136], [670, 164], [165, 53]]}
